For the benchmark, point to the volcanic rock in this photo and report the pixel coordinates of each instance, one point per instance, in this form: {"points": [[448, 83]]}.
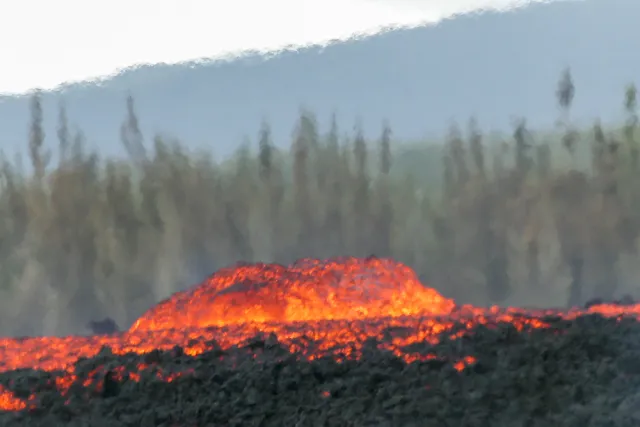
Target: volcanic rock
{"points": [[567, 374], [340, 342]]}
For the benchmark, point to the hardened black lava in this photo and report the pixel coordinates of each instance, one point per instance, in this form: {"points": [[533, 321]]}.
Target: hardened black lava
{"points": [[582, 372]]}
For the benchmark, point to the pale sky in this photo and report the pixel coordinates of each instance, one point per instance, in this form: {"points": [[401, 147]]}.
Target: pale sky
{"points": [[44, 43]]}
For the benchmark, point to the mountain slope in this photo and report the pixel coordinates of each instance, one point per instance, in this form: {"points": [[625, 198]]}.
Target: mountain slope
{"points": [[492, 65]]}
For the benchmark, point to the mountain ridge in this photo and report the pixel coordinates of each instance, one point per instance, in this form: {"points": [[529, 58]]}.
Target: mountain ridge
{"points": [[491, 65]]}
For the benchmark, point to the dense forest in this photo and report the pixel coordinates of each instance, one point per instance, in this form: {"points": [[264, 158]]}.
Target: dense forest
{"points": [[531, 219]]}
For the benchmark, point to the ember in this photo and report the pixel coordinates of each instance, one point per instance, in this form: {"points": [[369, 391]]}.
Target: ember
{"points": [[342, 308]]}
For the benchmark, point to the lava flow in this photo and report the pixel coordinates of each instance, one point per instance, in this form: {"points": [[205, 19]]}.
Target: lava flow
{"points": [[308, 290], [338, 304]]}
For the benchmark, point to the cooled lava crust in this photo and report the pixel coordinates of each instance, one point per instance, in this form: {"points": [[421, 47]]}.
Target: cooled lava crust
{"points": [[341, 342]]}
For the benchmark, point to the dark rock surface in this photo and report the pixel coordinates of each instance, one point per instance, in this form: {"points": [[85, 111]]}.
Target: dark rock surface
{"points": [[582, 373]]}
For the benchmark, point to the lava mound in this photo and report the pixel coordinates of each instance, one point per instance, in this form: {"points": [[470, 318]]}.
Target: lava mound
{"points": [[308, 290]]}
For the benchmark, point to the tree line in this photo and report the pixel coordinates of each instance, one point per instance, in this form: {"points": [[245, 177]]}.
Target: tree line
{"points": [[508, 222]]}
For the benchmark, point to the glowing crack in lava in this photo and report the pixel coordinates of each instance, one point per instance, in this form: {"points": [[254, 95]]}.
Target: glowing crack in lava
{"points": [[314, 308], [308, 290]]}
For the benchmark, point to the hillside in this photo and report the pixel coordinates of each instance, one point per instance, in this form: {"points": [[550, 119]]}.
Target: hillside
{"points": [[419, 79]]}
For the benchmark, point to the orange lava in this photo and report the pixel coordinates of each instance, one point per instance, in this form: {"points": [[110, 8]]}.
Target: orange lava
{"points": [[335, 304], [308, 290], [8, 402]]}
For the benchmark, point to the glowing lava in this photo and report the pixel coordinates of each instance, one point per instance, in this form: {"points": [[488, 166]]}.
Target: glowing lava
{"points": [[336, 304], [308, 290]]}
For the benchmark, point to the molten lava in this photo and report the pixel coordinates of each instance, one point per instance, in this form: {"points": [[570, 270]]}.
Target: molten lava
{"points": [[308, 290], [336, 304]]}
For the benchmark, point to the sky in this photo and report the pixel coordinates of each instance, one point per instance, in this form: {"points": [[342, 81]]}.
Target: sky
{"points": [[46, 43]]}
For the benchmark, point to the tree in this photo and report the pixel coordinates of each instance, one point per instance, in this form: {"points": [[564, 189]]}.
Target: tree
{"points": [[565, 93], [64, 137], [302, 198], [361, 202], [39, 157], [385, 150], [477, 147], [131, 135], [630, 106], [265, 150], [385, 214]]}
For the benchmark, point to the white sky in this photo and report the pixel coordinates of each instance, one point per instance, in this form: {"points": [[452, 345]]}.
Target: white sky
{"points": [[44, 43]]}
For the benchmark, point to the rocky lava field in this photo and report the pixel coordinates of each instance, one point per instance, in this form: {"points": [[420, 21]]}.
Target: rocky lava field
{"points": [[338, 342]]}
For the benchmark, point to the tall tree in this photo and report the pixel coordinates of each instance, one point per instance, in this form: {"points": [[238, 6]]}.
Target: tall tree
{"points": [[385, 214], [64, 136], [302, 197], [565, 94], [265, 149], [39, 157], [131, 135]]}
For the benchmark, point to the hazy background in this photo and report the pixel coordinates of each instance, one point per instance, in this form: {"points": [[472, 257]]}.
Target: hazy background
{"points": [[494, 66], [45, 50], [116, 195]]}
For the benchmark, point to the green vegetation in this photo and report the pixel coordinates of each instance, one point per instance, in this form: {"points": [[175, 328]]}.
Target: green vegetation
{"points": [[529, 220]]}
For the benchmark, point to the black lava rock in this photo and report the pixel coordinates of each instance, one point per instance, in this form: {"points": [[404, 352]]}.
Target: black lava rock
{"points": [[578, 373]]}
